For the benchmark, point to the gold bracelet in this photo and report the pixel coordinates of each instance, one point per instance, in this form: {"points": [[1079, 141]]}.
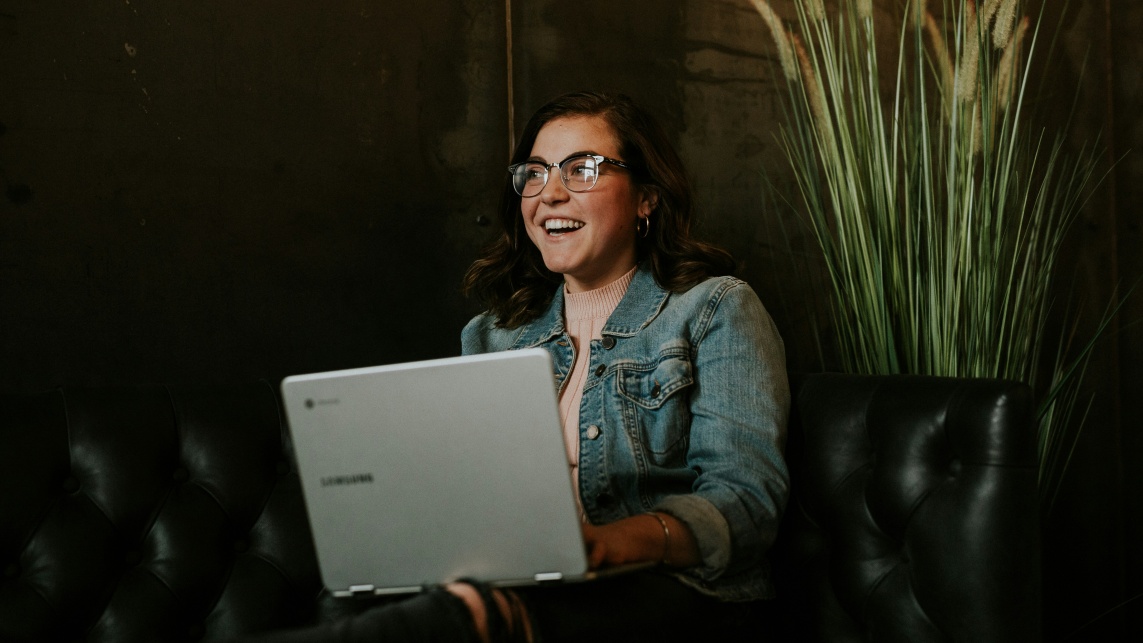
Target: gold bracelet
{"points": [[666, 536]]}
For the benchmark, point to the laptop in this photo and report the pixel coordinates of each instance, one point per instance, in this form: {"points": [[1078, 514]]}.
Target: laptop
{"points": [[422, 473]]}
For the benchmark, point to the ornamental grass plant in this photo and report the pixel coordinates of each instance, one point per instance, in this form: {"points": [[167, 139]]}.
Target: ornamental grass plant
{"points": [[939, 209]]}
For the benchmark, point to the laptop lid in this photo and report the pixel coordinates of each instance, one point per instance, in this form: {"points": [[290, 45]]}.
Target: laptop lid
{"points": [[426, 472]]}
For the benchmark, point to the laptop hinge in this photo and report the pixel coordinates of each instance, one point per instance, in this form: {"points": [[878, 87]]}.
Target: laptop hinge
{"points": [[548, 577], [354, 590]]}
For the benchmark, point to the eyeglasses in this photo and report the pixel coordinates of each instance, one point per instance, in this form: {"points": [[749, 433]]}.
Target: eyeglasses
{"points": [[578, 172]]}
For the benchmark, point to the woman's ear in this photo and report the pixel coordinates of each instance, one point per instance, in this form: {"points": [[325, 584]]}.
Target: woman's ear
{"points": [[649, 202]]}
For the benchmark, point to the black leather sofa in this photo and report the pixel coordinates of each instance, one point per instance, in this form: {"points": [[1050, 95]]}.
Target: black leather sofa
{"points": [[161, 513]]}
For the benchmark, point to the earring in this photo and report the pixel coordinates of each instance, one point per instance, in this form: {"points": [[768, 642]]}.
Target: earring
{"points": [[643, 226]]}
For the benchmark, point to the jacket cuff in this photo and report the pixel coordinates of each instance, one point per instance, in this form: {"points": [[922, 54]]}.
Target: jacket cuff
{"points": [[709, 528]]}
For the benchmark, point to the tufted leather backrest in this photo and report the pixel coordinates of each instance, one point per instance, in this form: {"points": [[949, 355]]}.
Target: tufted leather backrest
{"points": [[175, 514], [150, 514], [914, 512]]}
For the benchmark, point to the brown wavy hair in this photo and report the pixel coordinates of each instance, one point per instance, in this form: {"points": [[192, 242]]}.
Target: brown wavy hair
{"points": [[509, 277]]}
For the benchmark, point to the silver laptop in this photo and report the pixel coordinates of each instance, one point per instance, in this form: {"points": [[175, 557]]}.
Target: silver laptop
{"points": [[423, 473]]}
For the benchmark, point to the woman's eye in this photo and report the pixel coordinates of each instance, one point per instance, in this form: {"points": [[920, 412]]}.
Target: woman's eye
{"points": [[582, 170]]}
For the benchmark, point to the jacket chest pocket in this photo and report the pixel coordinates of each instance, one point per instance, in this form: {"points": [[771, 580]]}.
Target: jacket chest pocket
{"points": [[657, 396]]}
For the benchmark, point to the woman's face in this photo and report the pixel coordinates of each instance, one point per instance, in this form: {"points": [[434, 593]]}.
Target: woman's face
{"points": [[588, 237]]}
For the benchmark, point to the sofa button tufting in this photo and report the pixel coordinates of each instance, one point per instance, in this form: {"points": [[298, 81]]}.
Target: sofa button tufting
{"points": [[954, 467], [70, 485], [12, 570], [131, 558], [180, 475], [241, 546], [283, 467]]}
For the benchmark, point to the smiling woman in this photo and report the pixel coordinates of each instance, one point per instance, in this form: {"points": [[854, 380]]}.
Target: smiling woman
{"points": [[671, 377]]}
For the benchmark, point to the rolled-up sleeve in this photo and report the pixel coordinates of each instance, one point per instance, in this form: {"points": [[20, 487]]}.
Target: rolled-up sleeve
{"points": [[739, 409]]}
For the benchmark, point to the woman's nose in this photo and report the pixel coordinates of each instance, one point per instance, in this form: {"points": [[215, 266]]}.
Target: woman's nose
{"points": [[554, 190]]}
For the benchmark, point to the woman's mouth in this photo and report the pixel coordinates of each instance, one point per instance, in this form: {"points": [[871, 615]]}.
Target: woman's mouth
{"points": [[556, 227]]}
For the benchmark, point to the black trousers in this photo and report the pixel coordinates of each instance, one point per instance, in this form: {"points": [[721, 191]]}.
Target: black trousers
{"points": [[644, 606]]}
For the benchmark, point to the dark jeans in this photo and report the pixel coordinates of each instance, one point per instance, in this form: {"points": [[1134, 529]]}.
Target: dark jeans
{"points": [[644, 606]]}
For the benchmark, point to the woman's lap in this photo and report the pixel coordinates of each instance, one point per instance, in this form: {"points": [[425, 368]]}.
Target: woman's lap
{"points": [[428, 617], [643, 606]]}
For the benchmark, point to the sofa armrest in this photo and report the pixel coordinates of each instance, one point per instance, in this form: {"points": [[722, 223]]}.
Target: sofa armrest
{"points": [[914, 511]]}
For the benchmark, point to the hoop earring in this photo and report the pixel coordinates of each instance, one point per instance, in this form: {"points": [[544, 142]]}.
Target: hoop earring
{"points": [[643, 226]]}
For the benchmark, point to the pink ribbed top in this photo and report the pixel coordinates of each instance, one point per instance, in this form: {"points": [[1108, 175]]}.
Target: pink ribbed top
{"points": [[585, 313]]}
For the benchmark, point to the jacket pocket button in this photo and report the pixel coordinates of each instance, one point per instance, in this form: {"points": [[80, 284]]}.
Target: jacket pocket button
{"points": [[600, 370], [609, 342], [593, 432]]}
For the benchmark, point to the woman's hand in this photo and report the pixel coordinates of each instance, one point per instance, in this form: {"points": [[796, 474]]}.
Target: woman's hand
{"points": [[641, 538]]}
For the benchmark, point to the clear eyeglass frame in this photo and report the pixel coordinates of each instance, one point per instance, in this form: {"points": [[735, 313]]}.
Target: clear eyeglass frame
{"points": [[579, 173]]}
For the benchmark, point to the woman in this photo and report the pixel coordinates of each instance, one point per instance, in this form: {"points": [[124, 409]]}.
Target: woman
{"points": [[672, 390], [672, 381]]}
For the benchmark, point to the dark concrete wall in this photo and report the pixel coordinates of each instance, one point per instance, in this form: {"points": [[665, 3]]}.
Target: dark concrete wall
{"points": [[1093, 562], [227, 190]]}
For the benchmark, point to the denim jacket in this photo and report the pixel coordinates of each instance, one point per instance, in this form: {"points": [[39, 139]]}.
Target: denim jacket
{"points": [[684, 411]]}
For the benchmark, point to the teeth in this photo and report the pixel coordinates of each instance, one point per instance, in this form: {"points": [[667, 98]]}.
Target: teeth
{"points": [[562, 224]]}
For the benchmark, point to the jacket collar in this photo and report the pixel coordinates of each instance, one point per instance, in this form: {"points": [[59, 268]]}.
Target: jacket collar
{"points": [[547, 326], [640, 305]]}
